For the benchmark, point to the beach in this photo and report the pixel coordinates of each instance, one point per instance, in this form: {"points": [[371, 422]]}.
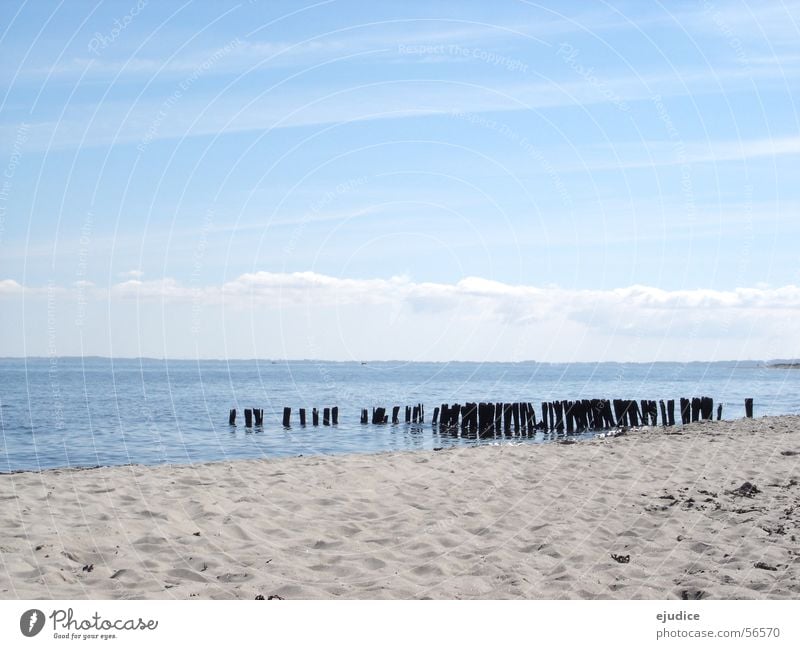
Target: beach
{"points": [[710, 510]]}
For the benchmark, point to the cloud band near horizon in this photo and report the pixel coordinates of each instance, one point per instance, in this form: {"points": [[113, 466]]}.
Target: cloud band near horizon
{"points": [[383, 317]]}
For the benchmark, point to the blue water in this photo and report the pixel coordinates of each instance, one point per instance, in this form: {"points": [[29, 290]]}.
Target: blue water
{"points": [[96, 411]]}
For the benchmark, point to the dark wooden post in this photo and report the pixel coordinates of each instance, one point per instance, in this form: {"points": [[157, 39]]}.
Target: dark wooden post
{"points": [[335, 415], [645, 412], [584, 411], [408, 414], [232, 417], [568, 419], [507, 417], [686, 411], [618, 411], [695, 408], [364, 416], [435, 416], [719, 412], [421, 413], [455, 411], [303, 417], [748, 408], [315, 417], [706, 408], [472, 415], [326, 416], [258, 414], [396, 414], [287, 416], [415, 415], [523, 416], [444, 415], [515, 415], [663, 412], [671, 412], [608, 415], [558, 410], [248, 417], [545, 425]]}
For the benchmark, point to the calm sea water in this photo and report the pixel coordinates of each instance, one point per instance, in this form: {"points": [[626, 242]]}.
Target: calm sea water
{"points": [[97, 411]]}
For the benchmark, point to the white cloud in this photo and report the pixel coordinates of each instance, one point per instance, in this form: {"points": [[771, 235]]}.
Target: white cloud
{"points": [[471, 295], [9, 287], [131, 274], [311, 315]]}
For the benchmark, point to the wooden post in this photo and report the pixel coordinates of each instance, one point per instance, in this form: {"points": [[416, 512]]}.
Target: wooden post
{"points": [[335, 415], [695, 408], [671, 412], [421, 413], [396, 414], [415, 415], [706, 408], [315, 417], [455, 411], [364, 416], [326, 416], [634, 413], [515, 415], [507, 417], [584, 413], [435, 416], [258, 414], [557, 409], [408, 414], [608, 415], [748, 408], [444, 415], [663, 412], [545, 425], [719, 412], [472, 415], [287, 416], [303, 417], [232, 417], [498, 417], [248, 418], [686, 411], [568, 419]]}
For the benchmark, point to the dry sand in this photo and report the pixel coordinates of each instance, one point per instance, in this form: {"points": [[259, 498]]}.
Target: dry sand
{"points": [[521, 521]]}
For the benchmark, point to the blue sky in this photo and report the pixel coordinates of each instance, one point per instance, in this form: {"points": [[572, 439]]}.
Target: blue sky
{"points": [[421, 180]]}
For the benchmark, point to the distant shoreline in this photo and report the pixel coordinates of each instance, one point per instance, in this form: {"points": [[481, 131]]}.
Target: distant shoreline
{"points": [[785, 366]]}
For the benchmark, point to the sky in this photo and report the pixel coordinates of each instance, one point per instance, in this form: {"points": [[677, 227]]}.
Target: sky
{"points": [[427, 181]]}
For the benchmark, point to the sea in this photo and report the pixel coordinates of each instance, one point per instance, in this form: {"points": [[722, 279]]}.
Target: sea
{"points": [[85, 412]]}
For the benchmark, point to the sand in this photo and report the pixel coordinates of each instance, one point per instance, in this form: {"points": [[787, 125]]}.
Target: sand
{"points": [[506, 521]]}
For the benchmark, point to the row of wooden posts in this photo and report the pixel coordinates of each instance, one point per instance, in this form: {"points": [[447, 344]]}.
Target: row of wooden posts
{"points": [[330, 416], [584, 414]]}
